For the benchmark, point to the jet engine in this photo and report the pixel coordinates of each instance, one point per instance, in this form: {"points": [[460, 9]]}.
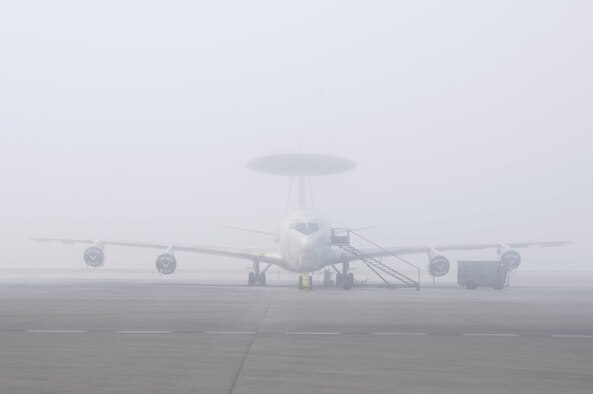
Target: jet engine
{"points": [[438, 265], [166, 263], [512, 258], [94, 257]]}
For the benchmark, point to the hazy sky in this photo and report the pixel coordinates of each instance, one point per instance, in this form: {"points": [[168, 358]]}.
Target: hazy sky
{"points": [[470, 121]]}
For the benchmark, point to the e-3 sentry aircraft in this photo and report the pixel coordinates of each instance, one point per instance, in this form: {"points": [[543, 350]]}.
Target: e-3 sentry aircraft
{"points": [[305, 238]]}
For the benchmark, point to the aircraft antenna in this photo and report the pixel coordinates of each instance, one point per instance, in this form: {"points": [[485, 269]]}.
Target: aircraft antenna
{"points": [[303, 166]]}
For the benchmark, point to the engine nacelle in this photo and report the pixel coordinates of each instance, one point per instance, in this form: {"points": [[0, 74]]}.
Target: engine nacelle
{"points": [[166, 263], [94, 256], [438, 265], [511, 258]]}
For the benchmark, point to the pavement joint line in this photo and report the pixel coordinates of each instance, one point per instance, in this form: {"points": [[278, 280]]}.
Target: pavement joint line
{"points": [[251, 343], [444, 334], [231, 332], [143, 332], [189, 332], [56, 331], [399, 333], [477, 334], [312, 333]]}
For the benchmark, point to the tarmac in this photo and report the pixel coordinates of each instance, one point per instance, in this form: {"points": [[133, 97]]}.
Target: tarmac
{"points": [[163, 335]]}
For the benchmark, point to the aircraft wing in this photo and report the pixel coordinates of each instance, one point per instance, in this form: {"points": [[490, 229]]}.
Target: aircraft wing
{"points": [[402, 250], [264, 255]]}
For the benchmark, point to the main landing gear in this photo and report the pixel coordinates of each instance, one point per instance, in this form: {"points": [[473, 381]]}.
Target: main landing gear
{"points": [[327, 278], [344, 279], [257, 277]]}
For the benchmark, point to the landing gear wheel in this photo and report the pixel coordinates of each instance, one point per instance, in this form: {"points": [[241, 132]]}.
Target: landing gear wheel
{"points": [[348, 281], [262, 279], [251, 280], [339, 279], [471, 286], [327, 279], [305, 282]]}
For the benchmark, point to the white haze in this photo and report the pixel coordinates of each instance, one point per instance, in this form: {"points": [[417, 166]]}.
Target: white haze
{"points": [[470, 122]]}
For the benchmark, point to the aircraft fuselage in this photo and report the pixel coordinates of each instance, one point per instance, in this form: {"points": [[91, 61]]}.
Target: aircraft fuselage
{"points": [[305, 241]]}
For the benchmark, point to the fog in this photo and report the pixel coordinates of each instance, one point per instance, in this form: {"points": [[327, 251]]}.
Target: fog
{"points": [[469, 122]]}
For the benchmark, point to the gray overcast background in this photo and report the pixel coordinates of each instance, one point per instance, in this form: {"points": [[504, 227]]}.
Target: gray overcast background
{"points": [[470, 121]]}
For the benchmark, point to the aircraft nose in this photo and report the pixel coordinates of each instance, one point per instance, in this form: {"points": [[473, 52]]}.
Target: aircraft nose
{"points": [[306, 243]]}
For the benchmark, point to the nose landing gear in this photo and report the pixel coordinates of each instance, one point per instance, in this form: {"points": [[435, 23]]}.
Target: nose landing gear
{"points": [[344, 278], [305, 281]]}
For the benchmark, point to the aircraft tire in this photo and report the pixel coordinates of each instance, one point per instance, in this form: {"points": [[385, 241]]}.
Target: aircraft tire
{"points": [[348, 281], [251, 280], [310, 282], [339, 279], [262, 279], [327, 279], [471, 286]]}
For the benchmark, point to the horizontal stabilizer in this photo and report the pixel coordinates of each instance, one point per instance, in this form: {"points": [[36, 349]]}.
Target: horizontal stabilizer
{"points": [[247, 229]]}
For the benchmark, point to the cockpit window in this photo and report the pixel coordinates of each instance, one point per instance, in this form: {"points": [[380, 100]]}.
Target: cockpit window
{"points": [[304, 228]]}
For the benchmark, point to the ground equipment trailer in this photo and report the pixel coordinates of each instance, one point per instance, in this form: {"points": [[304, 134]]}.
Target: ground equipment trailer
{"points": [[472, 274]]}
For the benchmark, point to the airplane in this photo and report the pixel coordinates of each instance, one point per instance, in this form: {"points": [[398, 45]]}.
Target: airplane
{"points": [[306, 241]]}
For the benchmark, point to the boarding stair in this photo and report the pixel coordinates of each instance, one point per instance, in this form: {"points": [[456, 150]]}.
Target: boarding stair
{"points": [[341, 238]]}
